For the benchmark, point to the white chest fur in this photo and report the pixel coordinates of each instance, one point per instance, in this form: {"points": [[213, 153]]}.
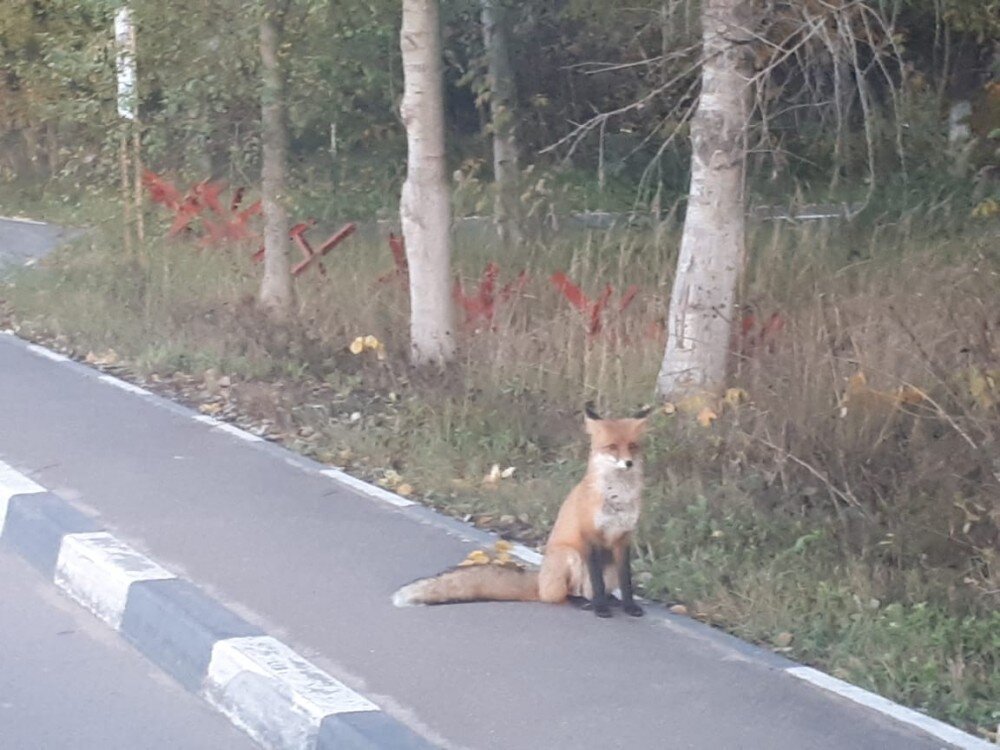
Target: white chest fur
{"points": [[622, 492]]}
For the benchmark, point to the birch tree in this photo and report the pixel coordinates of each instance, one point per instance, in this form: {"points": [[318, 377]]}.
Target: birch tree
{"points": [[500, 82], [276, 293], [425, 208], [700, 317]]}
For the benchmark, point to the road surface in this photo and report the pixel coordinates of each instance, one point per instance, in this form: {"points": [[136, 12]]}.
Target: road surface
{"points": [[23, 241], [69, 683]]}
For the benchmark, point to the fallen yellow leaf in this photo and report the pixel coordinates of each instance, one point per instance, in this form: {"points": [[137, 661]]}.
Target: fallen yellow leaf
{"points": [[404, 489], [706, 416], [357, 346], [503, 545], [476, 557], [697, 402], [784, 639], [669, 408], [494, 476], [736, 396]]}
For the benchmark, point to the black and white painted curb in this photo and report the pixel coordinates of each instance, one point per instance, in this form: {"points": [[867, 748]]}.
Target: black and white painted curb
{"points": [[278, 697], [260, 684]]}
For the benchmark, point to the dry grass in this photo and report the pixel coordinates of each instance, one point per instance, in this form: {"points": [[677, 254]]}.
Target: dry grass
{"points": [[859, 517]]}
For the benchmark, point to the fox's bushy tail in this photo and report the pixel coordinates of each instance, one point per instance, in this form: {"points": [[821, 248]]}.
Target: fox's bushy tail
{"points": [[471, 583]]}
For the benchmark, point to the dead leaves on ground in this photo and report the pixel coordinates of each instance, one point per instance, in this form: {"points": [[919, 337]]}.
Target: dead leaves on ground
{"points": [[860, 397], [500, 555], [492, 480], [367, 343], [706, 406]]}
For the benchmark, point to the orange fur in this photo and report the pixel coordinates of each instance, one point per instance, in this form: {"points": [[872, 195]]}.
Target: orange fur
{"points": [[599, 513]]}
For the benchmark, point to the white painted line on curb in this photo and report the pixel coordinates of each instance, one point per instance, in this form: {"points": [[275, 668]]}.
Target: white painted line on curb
{"points": [[938, 729], [124, 385], [218, 424], [41, 351], [301, 687], [367, 489], [96, 570], [13, 483]]}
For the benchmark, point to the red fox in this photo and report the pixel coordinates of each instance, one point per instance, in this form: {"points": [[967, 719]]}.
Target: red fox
{"points": [[588, 552]]}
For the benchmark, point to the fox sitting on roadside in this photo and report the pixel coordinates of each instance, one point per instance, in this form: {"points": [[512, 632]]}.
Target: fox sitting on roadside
{"points": [[588, 552]]}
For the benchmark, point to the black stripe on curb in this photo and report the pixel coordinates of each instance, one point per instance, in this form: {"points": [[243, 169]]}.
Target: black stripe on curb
{"points": [[366, 730], [36, 525], [175, 625]]}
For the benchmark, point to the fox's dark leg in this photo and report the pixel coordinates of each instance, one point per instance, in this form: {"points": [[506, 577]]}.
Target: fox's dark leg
{"points": [[625, 581], [596, 562]]}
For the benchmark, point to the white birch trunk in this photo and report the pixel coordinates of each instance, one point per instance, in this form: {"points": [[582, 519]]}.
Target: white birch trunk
{"points": [[503, 118], [700, 318], [425, 204], [276, 293]]}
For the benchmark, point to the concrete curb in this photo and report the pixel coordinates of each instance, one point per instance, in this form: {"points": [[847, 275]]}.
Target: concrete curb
{"points": [[262, 686], [345, 728]]}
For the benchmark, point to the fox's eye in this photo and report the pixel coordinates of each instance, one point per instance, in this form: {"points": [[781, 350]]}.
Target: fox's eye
{"points": [[612, 447], [633, 447]]}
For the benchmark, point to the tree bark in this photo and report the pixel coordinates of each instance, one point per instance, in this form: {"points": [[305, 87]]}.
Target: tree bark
{"points": [[276, 293], [500, 80], [425, 204], [712, 254]]}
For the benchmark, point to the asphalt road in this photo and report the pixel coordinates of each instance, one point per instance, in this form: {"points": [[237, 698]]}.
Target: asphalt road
{"points": [[67, 682], [22, 242], [315, 564]]}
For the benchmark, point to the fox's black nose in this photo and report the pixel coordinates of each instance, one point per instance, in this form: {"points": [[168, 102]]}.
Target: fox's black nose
{"points": [[628, 464]]}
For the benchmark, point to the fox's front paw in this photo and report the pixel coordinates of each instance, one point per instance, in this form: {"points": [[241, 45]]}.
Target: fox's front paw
{"points": [[602, 610], [631, 608]]}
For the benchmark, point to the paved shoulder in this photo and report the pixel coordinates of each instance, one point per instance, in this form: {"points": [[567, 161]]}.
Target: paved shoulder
{"points": [[23, 241], [67, 683]]}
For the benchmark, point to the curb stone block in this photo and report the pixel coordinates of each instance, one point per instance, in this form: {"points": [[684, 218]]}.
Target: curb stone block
{"points": [[36, 525]]}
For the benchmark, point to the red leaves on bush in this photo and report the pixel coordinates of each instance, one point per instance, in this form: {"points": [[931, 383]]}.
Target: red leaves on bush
{"points": [[592, 310], [755, 335], [401, 269], [229, 223], [482, 303]]}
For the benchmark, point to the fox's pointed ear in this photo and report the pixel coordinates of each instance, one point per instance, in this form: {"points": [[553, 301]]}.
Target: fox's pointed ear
{"points": [[590, 417], [643, 412]]}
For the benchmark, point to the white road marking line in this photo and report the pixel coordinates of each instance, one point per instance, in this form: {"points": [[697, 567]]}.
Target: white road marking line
{"points": [[13, 483], [233, 430], [367, 489], [22, 220], [938, 729], [41, 351], [124, 385], [526, 554], [238, 432], [96, 570]]}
